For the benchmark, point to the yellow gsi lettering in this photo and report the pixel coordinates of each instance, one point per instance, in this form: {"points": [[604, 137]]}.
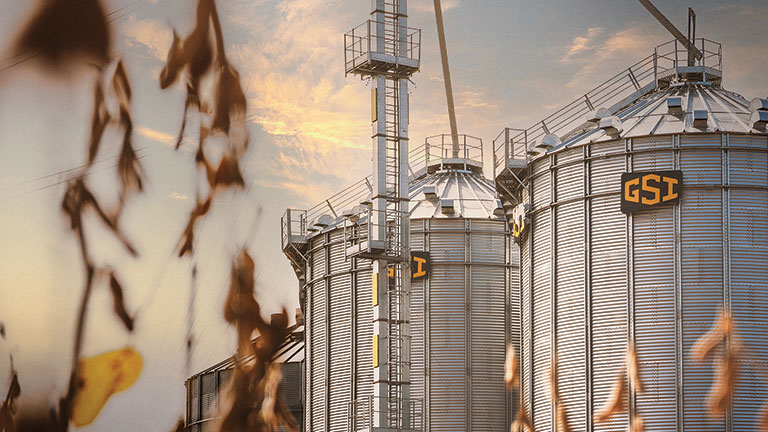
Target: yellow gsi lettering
{"points": [[654, 190], [630, 194], [419, 269], [671, 182]]}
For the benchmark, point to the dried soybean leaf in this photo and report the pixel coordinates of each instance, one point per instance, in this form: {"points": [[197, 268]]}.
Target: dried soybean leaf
{"points": [[522, 422], [230, 98], [99, 121], [109, 220], [197, 50], [511, 368], [617, 402], [726, 375], [119, 302], [121, 86], [179, 426], [174, 63], [633, 368], [228, 172], [8, 408], [2, 330], [638, 425], [707, 343], [187, 238], [99, 378], [562, 418], [65, 32]]}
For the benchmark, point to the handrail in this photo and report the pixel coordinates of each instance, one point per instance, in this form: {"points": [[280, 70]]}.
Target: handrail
{"points": [[665, 59]]}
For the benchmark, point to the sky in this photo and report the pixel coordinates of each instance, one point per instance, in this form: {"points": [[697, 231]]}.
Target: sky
{"points": [[513, 62]]}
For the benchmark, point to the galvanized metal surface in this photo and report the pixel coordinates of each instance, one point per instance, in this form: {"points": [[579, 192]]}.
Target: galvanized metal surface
{"points": [[461, 317], [594, 279]]}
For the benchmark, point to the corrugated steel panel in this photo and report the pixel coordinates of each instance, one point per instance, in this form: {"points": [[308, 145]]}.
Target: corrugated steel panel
{"points": [[701, 140], [487, 242], [659, 160], [570, 328], [652, 142], [605, 172], [447, 315], [525, 325], [541, 320], [487, 347], [208, 397], [340, 340], [363, 332], [701, 167], [609, 303], [569, 181], [541, 187], [749, 303], [748, 167], [751, 141], [702, 295], [194, 395], [318, 332]]}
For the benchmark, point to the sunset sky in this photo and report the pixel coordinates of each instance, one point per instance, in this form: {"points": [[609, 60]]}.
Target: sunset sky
{"points": [[513, 62]]}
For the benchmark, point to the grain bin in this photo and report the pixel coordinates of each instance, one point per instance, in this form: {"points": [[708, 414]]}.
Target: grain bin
{"points": [[205, 390], [462, 315], [639, 223]]}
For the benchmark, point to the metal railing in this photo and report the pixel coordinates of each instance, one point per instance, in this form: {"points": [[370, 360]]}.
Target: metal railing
{"points": [[363, 230], [436, 148], [613, 94], [673, 54], [293, 224], [362, 411], [380, 37]]}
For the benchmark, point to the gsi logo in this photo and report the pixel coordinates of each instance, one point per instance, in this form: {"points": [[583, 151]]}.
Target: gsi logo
{"points": [[644, 190]]}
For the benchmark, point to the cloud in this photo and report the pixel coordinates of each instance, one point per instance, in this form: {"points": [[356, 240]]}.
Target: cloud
{"points": [[580, 44], [427, 6], [149, 34]]}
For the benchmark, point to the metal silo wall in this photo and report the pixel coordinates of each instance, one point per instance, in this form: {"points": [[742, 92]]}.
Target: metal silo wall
{"points": [[658, 277], [461, 319]]}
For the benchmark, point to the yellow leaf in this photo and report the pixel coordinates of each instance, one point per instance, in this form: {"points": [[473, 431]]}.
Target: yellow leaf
{"points": [[99, 378]]}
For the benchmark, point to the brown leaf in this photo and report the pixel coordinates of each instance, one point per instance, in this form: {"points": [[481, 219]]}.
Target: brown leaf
{"points": [[616, 403], [187, 238], [230, 99], [511, 368], [707, 343], [8, 407], [633, 368], [65, 32], [174, 64], [119, 302], [2, 330], [192, 100], [179, 427], [562, 418], [77, 199], [726, 375], [638, 425], [522, 422], [99, 120], [121, 86], [198, 53], [228, 172], [560, 411]]}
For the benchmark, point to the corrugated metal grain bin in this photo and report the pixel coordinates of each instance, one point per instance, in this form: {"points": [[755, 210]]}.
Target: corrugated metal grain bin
{"points": [[462, 315], [206, 388], [647, 257]]}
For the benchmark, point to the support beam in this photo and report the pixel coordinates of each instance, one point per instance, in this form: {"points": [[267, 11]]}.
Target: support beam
{"points": [[692, 50], [447, 78]]}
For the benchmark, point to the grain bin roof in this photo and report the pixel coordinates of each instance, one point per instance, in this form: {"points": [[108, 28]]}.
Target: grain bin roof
{"points": [[686, 108]]}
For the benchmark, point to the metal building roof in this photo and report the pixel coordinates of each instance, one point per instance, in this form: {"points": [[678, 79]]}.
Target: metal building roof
{"points": [[684, 108], [471, 196]]}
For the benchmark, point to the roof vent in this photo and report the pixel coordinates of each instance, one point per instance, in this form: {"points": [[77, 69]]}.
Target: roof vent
{"points": [[700, 119], [430, 192], [313, 227], [499, 210], [367, 200], [324, 220], [351, 214], [759, 119], [446, 206], [549, 141], [758, 104], [612, 126], [675, 105], [596, 115], [534, 149]]}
